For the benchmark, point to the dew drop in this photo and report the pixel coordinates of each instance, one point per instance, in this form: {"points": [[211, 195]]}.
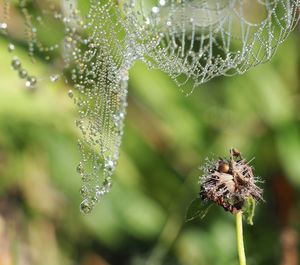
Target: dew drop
{"points": [[15, 63], [100, 193], [54, 78], [3, 26], [155, 10], [23, 74], [30, 82], [79, 168], [95, 199], [84, 191], [109, 165], [162, 2], [11, 47], [107, 184], [86, 207], [70, 93]]}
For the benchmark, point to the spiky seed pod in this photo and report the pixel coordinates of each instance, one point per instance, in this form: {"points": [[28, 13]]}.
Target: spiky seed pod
{"points": [[229, 182]]}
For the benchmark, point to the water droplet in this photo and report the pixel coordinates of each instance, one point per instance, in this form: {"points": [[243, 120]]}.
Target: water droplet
{"points": [[86, 206], [11, 47], [155, 10], [30, 82], [107, 184], [162, 2], [122, 115], [95, 200], [15, 63], [3, 25], [80, 168], [70, 93], [23, 73], [99, 191], [54, 78], [109, 165], [84, 191]]}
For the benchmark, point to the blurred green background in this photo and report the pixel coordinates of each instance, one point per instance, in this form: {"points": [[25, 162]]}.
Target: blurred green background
{"points": [[167, 137]]}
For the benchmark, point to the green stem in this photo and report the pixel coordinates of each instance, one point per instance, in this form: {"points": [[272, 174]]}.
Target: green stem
{"points": [[239, 236]]}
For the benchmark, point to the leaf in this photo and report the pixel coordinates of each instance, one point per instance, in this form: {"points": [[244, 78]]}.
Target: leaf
{"points": [[197, 209], [249, 210]]}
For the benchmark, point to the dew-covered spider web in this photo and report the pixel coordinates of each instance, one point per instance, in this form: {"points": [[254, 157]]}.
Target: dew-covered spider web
{"points": [[95, 43], [201, 39]]}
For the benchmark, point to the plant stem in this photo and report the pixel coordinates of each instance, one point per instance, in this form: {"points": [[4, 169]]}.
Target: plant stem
{"points": [[239, 237]]}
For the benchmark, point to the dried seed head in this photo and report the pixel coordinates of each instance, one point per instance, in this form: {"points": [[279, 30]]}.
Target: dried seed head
{"points": [[229, 182]]}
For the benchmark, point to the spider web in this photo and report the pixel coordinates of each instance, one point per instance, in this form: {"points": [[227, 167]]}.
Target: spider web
{"points": [[99, 67], [188, 39], [202, 39], [94, 65]]}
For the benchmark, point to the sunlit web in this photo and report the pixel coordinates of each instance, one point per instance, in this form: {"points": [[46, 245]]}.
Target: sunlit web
{"points": [[100, 40], [201, 39]]}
